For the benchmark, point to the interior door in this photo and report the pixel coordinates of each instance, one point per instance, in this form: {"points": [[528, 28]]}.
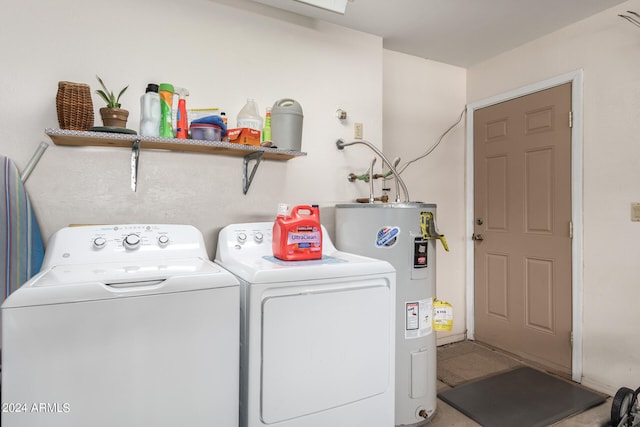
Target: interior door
{"points": [[522, 230]]}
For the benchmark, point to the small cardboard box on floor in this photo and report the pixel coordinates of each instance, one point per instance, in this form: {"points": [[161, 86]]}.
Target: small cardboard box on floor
{"points": [[244, 136]]}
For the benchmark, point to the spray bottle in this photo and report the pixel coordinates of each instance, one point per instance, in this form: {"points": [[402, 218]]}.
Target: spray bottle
{"points": [[166, 102], [182, 123]]}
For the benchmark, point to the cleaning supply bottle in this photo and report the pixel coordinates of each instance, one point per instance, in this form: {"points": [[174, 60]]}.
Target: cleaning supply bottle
{"points": [[266, 130], [182, 123], [166, 103], [150, 111], [297, 236], [249, 116]]}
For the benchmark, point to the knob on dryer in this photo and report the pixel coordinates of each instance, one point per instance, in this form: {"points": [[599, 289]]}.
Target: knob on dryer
{"points": [[99, 242], [132, 241]]}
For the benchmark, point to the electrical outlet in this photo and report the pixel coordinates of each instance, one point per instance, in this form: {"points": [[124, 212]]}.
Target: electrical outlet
{"points": [[357, 130], [635, 212]]}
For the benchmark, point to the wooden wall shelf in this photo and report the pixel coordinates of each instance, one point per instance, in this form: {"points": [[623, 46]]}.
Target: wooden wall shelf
{"points": [[105, 139]]}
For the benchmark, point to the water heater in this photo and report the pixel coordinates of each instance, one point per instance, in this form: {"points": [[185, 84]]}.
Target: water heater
{"points": [[402, 234]]}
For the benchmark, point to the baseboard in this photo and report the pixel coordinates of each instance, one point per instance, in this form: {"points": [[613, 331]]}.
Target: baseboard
{"points": [[598, 386], [449, 339]]}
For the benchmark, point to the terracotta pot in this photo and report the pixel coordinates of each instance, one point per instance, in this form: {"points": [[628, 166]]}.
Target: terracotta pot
{"points": [[115, 117]]}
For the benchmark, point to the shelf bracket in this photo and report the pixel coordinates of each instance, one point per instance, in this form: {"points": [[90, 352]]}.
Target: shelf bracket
{"points": [[247, 178]]}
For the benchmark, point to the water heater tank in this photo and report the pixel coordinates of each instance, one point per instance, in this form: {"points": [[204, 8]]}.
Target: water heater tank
{"points": [[393, 232]]}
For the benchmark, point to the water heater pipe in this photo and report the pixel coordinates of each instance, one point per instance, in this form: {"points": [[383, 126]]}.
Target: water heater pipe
{"points": [[341, 144], [395, 165], [372, 198]]}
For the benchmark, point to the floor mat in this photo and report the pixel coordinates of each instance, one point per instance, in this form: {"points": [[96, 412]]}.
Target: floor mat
{"points": [[523, 397]]}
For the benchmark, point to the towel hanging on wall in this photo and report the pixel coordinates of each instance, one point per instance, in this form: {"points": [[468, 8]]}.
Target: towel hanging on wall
{"points": [[21, 248]]}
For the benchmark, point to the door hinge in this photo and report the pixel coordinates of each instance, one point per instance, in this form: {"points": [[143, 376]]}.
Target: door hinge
{"points": [[571, 229], [571, 338], [570, 119]]}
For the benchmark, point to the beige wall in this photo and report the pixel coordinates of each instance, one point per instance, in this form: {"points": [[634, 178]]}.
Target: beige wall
{"points": [[607, 49], [422, 99]]}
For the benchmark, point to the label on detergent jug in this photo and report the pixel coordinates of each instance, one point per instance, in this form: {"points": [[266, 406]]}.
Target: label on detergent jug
{"points": [[387, 237], [419, 318], [304, 237]]}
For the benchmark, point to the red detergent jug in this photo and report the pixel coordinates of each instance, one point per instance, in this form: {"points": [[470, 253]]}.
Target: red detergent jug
{"points": [[298, 236]]}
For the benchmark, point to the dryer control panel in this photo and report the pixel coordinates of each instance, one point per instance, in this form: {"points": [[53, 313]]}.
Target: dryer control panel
{"points": [[255, 238], [106, 243]]}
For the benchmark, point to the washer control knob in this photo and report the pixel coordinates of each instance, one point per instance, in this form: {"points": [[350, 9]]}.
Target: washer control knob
{"points": [[99, 242], [242, 237], [258, 237], [132, 241], [163, 240]]}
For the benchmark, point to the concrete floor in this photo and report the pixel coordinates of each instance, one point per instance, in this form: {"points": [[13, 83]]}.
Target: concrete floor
{"points": [[465, 361]]}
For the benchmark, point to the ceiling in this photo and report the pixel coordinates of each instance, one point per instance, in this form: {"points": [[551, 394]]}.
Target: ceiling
{"points": [[456, 32]]}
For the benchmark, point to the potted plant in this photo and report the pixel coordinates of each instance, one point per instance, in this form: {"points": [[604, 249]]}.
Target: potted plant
{"points": [[112, 114]]}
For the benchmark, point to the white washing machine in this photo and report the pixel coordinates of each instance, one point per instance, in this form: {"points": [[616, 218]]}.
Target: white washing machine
{"points": [[125, 325], [317, 337]]}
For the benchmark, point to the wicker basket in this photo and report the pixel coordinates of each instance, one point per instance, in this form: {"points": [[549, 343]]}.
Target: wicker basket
{"points": [[74, 106]]}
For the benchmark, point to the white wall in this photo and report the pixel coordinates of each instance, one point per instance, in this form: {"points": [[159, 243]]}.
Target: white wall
{"points": [[607, 48], [223, 53], [422, 99]]}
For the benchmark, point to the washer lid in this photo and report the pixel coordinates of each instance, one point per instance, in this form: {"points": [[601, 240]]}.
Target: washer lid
{"points": [[90, 282], [259, 268]]}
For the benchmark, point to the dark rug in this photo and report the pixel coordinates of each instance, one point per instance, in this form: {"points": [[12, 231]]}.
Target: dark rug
{"points": [[523, 397]]}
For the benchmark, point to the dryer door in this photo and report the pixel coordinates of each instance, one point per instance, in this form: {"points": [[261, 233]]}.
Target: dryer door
{"points": [[325, 348]]}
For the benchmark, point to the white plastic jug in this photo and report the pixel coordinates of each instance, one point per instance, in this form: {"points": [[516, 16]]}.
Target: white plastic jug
{"points": [[249, 116], [150, 111]]}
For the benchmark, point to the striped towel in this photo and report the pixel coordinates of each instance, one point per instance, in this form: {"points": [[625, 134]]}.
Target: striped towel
{"points": [[21, 249]]}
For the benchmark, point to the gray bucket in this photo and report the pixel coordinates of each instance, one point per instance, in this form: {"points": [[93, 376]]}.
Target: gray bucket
{"points": [[286, 124]]}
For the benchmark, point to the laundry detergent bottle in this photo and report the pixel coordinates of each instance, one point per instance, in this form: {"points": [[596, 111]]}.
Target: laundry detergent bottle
{"points": [[166, 103], [297, 236], [150, 115]]}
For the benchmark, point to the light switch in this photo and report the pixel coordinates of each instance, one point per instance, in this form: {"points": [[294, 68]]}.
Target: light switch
{"points": [[635, 211], [357, 130]]}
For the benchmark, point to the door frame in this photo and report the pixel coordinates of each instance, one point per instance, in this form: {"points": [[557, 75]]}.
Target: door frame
{"points": [[576, 79]]}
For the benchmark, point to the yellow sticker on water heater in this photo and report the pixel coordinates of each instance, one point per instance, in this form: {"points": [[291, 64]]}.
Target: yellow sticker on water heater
{"points": [[442, 316]]}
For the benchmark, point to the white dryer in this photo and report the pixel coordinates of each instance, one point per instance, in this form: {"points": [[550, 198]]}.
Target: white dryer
{"points": [[125, 325], [317, 337]]}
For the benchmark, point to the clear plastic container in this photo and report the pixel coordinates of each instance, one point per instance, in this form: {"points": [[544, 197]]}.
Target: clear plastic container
{"points": [[206, 132]]}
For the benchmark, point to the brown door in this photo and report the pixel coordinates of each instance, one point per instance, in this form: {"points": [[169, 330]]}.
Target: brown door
{"points": [[522, 161]]}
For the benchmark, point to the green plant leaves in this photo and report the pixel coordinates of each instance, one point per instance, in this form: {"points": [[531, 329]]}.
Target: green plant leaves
{"points": [[108, 96]]}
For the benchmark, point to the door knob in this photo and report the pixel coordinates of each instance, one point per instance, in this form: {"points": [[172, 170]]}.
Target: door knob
{"points": [[477, 237]]}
